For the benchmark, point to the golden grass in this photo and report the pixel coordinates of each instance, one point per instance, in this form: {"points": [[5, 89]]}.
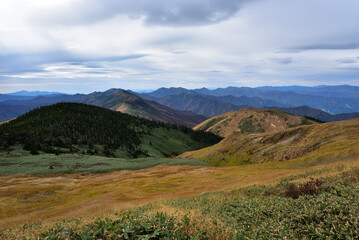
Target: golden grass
{"points": [[31, 199], [105, 195], [34, 199], [266, 120], [308, 145]]}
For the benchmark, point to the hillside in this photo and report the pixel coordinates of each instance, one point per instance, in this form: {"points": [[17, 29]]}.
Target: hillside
{"points": [[127, 102], [74, 127], [305, 145], [317, 114], [115, 99], [252, 121]]}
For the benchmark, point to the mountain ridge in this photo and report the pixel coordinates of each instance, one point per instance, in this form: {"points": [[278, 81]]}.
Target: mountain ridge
{"points": [[252, 121]]}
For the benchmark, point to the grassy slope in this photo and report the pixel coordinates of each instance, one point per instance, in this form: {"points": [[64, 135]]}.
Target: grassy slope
{"points": [[332, 211], [304, 145], [252, 121], [163, 142], [72, 163]]}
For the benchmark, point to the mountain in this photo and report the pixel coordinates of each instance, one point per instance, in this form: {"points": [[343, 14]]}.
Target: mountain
{"points": [[317, 114], [252, 121], [255, 102], [339, 91], [6, 97], [115, 99], [330, 104], [34, 93], [8, 112], [162, 92], [75, 127], [304, 145], [233, 91], [25, 95], [196, 103], [127, 102]]}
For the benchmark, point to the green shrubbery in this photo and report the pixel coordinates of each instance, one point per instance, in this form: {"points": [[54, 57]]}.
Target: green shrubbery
{"points": [[133, 225]]}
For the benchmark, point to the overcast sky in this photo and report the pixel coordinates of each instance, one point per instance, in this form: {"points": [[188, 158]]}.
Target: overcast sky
{"points": [[93, 45]]}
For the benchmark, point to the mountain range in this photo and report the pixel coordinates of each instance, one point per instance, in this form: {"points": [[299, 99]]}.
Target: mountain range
{"points": [[190, 107], [114, 99], [280, 97]]}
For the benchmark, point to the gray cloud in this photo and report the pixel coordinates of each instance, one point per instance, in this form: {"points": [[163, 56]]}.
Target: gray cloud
{"points": [[32, 63], [346, 60], [283, 61], [154, 12], [326, 46]]}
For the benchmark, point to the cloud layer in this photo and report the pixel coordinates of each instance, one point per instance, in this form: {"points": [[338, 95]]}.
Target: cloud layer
{"points": [[87, 45]]}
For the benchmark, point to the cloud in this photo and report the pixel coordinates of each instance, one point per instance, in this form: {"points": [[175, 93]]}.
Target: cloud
{"points": [[283, 61], [37, 62], [327, 46], [154, 12], [154, 43], [347, 60]]}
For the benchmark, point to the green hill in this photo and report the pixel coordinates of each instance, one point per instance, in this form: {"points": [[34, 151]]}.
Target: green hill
{"points": [[75, 127]]}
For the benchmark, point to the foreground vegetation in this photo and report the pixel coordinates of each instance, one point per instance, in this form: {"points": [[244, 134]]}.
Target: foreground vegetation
{"points": [[312, 205]]}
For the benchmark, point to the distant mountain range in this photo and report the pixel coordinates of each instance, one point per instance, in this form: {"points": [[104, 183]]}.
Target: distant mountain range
{"points": [[115, 99], [26, 95], [328, 99], [218, 101], [183, 106], [34, 93]]}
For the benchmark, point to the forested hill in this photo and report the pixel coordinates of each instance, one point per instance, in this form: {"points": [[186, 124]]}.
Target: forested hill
{"points": [[76, 127]]}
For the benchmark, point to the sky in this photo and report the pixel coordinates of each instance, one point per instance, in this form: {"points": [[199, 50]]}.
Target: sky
{"points": [[93, 45]]}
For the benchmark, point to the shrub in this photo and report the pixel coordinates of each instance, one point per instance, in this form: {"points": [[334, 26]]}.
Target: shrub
{"points": [[292, 191]]}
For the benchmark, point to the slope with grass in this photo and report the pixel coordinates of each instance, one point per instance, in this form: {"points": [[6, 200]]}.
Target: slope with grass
{"points": [[86, 129], [314, 202], [250, 121], [302, 145]]}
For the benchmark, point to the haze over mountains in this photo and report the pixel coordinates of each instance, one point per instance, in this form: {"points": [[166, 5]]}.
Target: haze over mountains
{"points": [[190, 107]]}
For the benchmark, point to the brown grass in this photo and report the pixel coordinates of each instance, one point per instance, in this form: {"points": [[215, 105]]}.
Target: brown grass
{"points": [[267, 120], [304, 145], [31, 199], [42, 200]]}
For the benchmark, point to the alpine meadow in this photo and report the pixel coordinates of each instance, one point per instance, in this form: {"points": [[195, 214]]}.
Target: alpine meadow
{"points": [[159, 119]]}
